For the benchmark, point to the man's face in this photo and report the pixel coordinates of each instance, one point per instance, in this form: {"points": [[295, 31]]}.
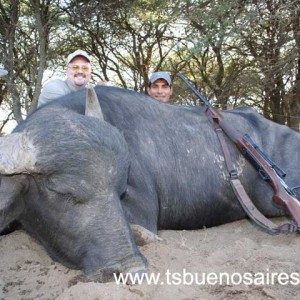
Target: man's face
{"points": [[160, 90], [79, 72]]}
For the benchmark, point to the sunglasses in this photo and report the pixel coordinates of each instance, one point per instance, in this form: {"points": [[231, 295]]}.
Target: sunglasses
{"points": [[76, 68]]}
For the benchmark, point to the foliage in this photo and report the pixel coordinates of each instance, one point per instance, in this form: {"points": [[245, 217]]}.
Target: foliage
{"points": [[235, 52]]}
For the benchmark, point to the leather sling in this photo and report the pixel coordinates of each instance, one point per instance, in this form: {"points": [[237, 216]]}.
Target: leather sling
{"points": [[254, 214]]}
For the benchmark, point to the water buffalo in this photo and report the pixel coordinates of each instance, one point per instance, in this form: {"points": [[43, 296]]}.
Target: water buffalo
{"points": [[76, 179]]}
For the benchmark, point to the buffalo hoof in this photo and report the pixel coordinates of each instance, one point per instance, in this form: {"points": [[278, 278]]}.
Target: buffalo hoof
{"points": [[143, 236]]}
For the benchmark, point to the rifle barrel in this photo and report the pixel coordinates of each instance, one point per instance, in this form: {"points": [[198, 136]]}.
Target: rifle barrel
{"points": [[277, 169], [196, 92], [283, 195]]}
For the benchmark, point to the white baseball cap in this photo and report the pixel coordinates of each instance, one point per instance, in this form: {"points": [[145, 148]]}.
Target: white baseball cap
{"points": [[160, 75], [78, 53]]}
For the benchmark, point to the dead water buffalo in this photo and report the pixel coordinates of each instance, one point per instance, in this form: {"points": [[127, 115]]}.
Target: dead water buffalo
{"points": [[75, 181]]}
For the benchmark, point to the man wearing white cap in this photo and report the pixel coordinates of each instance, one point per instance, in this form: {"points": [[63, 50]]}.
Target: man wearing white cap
{"points": [[160, 86], [78, 73]]}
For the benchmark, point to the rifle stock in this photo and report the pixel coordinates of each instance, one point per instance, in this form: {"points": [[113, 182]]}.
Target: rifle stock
{"points": [[283, 195], [292, 204]]}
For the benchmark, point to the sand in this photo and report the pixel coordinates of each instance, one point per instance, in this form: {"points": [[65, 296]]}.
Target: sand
{"points": [[232, 261]]}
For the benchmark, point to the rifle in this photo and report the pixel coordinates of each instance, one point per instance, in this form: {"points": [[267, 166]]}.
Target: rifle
{"points": [[270, 172]]}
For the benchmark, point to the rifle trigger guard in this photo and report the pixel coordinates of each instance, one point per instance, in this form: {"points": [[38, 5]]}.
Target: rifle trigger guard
{"points": [[216, 120], [233, 174], [263, 175]]}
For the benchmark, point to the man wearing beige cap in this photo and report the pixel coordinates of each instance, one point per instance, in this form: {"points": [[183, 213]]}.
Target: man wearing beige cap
{"points": [[78, 72], [160, 86]]}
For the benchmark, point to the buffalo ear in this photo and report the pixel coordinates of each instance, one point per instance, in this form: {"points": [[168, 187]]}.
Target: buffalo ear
{"points": [[92, 105]]}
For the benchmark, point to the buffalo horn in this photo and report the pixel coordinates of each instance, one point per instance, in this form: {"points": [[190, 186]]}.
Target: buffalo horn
{"points": [[17, 154], [92, 106]]}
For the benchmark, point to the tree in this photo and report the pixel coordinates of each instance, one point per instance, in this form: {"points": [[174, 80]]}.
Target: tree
{"points": [[25, 37], [246, 52], [209, 54], [270, 45], [130, 39], [293, 95], [235, 52]]}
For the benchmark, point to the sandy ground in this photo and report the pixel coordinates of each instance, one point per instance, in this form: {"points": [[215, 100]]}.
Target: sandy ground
{"points": [[267, 265]]}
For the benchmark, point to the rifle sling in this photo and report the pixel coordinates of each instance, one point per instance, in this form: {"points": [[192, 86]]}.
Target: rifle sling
{"points": [[245, 201]]}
